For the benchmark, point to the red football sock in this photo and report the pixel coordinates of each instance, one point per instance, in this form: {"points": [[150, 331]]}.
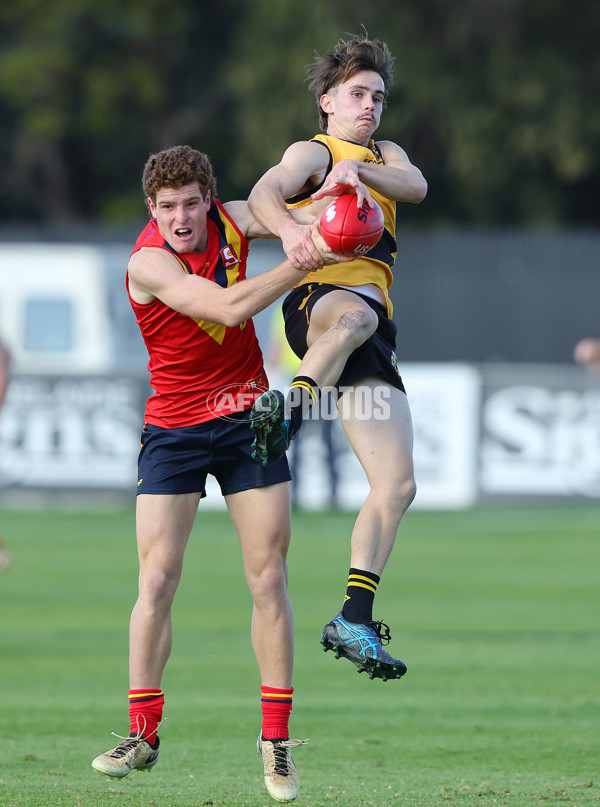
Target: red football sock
{"points": [[145, 712], [276, 705]]}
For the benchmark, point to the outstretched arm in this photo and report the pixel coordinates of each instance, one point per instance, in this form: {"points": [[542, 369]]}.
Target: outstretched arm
{"points": [[398, 179], [155, 274]]}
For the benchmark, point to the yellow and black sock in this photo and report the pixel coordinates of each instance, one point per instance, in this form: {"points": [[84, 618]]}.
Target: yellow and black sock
{"points": [[303, 393], [358, 604]]}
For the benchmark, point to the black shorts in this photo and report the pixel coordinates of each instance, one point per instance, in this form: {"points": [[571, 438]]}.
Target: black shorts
{"points": [[376, 356], [179, 460]]}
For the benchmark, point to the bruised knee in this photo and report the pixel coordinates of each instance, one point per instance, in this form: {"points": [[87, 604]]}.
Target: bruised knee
{"points": [[357, 325]]}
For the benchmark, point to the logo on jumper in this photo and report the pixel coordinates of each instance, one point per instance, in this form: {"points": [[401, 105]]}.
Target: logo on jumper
{"points": [[228, 257], [231, 399]]}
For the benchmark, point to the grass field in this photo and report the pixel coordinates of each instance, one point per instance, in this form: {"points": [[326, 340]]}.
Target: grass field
{"points": [[495, 611]]}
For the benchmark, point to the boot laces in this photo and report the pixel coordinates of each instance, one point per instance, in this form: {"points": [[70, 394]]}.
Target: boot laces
{"points": [[382, 631], [124, 747], [281, 759], [131, 742], [281, 756]]}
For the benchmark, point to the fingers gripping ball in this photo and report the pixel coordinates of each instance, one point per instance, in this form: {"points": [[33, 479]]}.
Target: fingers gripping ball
{"points": [[349, 229]]}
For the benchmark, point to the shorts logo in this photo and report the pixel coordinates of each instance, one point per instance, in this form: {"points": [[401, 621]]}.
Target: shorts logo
{"points": [[394, 362], [228, 257]]}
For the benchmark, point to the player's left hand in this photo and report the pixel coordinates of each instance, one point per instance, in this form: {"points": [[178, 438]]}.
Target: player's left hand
{"points": [[343, 178]]}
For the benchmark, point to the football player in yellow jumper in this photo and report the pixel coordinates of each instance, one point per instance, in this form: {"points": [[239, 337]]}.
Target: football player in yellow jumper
{"points": [[339, 322]]}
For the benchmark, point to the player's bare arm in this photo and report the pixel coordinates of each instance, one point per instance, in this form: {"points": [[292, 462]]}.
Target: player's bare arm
{"points": [[308, 215], [246, 222], [398, 179], [251, 228], [302, 167], [155, 274]]}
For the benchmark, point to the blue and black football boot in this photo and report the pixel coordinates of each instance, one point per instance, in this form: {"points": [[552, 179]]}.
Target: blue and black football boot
{"points": [[363, 646]]}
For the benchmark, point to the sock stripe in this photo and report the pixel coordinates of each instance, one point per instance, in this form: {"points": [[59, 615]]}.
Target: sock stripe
{"points": [[353, 584], [362, 577], [276, 700], [136, 696], [308, 387], [364, 582], [275, 696], [276, 690]]}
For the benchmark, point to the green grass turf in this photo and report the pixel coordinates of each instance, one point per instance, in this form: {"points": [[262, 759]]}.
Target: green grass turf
{"points": [[495, 611]]}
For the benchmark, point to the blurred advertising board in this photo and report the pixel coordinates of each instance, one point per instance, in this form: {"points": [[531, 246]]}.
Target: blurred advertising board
{"points": [[482, 432], [540, 432]]}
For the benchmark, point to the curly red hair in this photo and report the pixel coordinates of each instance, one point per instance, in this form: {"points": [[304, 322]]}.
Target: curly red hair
{"points": [[176, 167]]}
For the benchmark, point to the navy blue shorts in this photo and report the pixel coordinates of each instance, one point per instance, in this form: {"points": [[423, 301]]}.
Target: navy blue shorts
{"points": [[376, 356], [179, 460]]}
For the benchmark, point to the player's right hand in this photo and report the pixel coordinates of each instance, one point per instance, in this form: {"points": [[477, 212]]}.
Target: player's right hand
{"points": [[300, 249]]}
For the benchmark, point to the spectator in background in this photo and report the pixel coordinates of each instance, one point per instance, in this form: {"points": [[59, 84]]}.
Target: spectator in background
{"points": [[4, 370], [587, 351]]}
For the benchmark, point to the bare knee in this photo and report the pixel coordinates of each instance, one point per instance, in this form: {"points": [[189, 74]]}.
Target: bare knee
{"points": [[406, 492], [397, 495], [269, 584], [356, 325], [157, 588]]}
